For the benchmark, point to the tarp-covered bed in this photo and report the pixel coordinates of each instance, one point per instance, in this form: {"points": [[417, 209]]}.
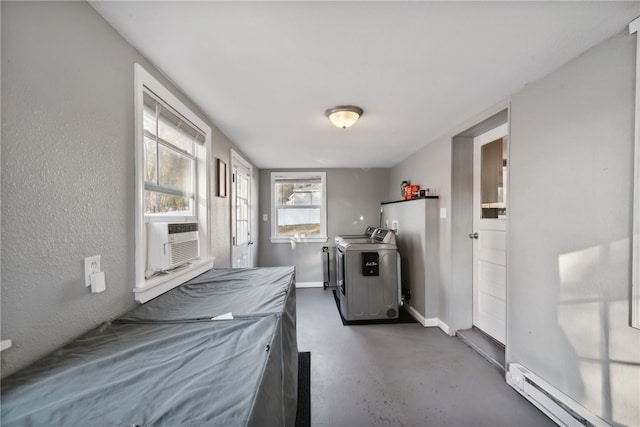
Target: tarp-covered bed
{"points": [[243, 293], [168, 363]]}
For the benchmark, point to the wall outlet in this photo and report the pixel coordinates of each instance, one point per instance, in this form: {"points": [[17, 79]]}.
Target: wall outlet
{"points": [[394, 226], [91, 266], [443, 213]]}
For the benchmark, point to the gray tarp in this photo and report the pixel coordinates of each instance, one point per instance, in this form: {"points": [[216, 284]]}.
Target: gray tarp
{"points": [[243, 292], [218, 373]]}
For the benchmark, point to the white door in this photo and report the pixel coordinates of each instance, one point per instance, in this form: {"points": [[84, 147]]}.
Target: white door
{"points": [[490, 232], [241, 241]]}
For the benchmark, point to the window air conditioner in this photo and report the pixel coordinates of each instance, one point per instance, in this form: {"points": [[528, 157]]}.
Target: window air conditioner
{"points": [[170, 245]]}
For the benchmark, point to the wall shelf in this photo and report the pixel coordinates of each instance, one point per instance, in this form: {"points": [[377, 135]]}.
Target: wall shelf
{"points": [[410, 200]]}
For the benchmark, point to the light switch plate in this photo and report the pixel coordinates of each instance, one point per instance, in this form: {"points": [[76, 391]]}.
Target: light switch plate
{"points": [[443, 213]]}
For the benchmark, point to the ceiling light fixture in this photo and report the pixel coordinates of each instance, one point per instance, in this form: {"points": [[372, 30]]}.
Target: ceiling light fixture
{"points": [[344, 116]]}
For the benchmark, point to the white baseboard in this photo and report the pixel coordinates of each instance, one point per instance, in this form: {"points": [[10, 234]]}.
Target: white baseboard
{"points": [[309, 285], [444, 327], [427, 323], [420, 318]]}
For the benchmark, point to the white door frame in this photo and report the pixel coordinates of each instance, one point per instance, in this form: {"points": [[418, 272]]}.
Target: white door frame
{"points": [[460, 295], [236, 160]]}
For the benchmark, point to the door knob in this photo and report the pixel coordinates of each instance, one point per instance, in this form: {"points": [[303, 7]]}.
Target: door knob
{"points": [[473, 235]]}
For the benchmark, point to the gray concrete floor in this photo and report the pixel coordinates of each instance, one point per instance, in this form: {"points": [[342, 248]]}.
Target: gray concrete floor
{"points": [[400, 375]]}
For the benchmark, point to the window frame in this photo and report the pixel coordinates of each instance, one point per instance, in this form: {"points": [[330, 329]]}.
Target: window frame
{"points": [[146, 289], [300, 175]]}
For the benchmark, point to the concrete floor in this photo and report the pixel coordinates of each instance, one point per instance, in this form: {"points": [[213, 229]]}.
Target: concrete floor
{"points": [[400, 375]]}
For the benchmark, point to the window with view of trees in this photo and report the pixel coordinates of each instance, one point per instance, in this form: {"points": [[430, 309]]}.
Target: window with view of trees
{"points": [[172, 179], [169, 157], [299, 206]]}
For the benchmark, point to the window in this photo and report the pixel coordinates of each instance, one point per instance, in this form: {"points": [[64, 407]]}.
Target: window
{"points": [[172, 148], [298, 206], [169, 160]]}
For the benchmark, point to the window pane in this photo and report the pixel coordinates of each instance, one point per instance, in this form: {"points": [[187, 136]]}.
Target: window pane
{"points": [[150, 160], [492, 177], [156, 203], [300, 222], [176, 170], [175, 131], [299, 193], [149, 114]]}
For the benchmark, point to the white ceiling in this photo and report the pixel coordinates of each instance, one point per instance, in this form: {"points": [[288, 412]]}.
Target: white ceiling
{"points": [[265, 72]]}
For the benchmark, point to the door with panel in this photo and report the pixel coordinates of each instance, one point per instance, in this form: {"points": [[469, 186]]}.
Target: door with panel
{"points": [[490, 232], [241, 241]]}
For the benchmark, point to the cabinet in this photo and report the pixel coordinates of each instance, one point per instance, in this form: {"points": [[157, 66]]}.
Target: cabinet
{"points": [[417, 224]]}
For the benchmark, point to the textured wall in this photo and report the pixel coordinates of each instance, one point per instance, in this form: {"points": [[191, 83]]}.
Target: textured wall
{"points": [[68, 174], [570, 226], [353, 203]]}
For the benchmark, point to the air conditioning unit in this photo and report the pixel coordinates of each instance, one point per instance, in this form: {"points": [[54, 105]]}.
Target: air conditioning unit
{"points": [[170, 245]]}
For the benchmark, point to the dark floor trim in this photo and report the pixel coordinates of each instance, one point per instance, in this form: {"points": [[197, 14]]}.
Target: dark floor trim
{"points": [[303, 416], [403, 316]]}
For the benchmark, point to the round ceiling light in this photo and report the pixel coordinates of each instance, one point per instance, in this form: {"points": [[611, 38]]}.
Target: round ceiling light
{"points": [[344, 116]]}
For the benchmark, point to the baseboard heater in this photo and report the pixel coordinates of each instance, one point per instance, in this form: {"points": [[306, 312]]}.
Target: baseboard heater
{"points": [[555, 404]]}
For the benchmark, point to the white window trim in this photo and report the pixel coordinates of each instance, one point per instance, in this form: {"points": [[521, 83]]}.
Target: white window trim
{"points": [[323, 212], [146, 289]]}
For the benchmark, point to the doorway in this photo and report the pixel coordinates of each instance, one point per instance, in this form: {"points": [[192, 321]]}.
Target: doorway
{"points": [[489, 233], [463, 305], [241, 238]]}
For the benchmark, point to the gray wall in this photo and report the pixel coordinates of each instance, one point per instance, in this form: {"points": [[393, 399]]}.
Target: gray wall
{"points": [[68, 174], [351, 194], [431, 168], [569, 234], [419, 246], [570, 222]]}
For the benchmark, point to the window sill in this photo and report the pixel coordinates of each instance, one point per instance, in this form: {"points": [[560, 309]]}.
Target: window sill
{"points": [[299, 239], [156, 286]]}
